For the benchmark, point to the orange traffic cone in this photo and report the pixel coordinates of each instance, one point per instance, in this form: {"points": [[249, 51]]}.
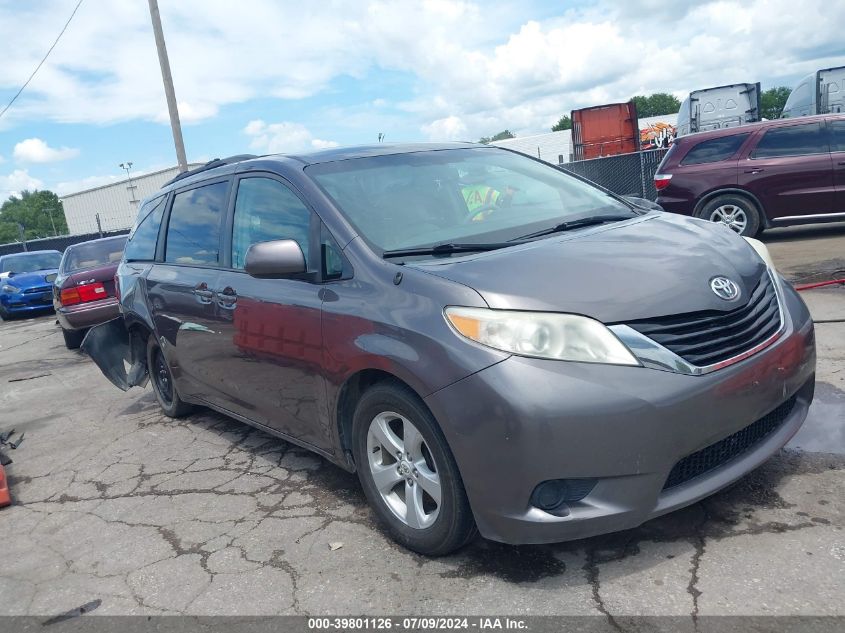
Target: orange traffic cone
{"points": [[5, 497]]}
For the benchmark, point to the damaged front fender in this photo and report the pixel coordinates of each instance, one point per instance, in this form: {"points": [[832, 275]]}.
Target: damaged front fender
{"points": [[119, 353]]}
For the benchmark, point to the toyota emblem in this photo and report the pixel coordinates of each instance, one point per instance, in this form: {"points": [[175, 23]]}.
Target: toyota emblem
{"points": [[724, 288]]}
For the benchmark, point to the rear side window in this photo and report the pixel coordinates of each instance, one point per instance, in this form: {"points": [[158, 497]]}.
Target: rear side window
{"points": [[837, 136], [795, 140], [142, 241], [93, 254], [714, 150], [265, 209], [193, 232]]}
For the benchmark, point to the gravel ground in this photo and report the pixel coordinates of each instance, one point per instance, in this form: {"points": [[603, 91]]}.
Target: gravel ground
{"points": [[115, 503]]}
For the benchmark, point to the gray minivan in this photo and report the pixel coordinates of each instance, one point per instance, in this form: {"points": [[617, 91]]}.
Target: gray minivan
{"points": [[490, 342]]}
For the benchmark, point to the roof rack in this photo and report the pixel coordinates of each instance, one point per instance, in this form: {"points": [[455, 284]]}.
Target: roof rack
{"points": [[216, 162]]}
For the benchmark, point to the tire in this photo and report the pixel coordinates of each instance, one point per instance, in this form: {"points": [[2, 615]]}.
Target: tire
{"points": [[73, 338], [437, 528], [737, 212], [161, 378]]}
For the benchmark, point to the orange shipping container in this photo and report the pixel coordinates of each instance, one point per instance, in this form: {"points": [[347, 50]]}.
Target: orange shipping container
{"points": [[605, 130]]}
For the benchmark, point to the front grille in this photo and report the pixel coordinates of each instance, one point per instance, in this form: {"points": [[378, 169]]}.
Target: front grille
{"points": [[708, 337], [721, 452], [32, 291]]}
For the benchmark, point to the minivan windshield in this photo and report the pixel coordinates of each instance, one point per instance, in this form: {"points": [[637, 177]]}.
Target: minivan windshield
{"points": [[93, 254], [472, 195], [30, 262]]}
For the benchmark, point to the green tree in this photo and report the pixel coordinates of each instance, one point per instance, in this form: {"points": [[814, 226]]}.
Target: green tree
{"points": [[40, 212], [565, 123], [497, 137], [772, 101], [656, 104]]}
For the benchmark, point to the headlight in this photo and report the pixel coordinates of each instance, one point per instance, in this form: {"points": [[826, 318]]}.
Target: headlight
{"points": [[763, 251], [541, 335], [9, 289]]}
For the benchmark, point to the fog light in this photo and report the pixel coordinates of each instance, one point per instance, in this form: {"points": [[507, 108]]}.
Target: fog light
{"points": [[553, 495]]}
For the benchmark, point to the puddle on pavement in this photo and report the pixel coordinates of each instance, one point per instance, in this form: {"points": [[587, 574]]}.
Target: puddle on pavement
{"points": [[824, 429]]}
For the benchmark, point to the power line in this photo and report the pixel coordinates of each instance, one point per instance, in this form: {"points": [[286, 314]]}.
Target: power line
{"points": [[44, 59]]}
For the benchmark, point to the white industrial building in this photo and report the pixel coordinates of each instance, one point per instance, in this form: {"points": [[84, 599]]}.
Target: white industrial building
{"points": [[116, 204], [554, 147]]}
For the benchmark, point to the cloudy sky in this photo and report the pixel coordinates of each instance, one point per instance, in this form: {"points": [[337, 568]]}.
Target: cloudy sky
{"points": [[266, 76]]}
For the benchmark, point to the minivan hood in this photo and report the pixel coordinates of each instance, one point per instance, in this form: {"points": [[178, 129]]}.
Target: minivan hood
{"points": [[656, 265]]}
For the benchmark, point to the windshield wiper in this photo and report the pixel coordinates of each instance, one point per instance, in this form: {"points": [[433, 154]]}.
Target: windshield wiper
{"points": [[447, 249], [577, 224]]}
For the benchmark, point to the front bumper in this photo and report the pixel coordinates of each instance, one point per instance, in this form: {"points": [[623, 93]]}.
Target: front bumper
{"points": [[524, 421], [86, 315], [21, 302]]}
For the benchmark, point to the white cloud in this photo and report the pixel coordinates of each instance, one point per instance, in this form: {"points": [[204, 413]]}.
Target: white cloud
{"points": [[478, 67], [284, 137], [450, 128], [19, 180], [34, 150]]}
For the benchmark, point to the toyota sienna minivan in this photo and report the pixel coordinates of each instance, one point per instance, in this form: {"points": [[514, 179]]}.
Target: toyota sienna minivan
{"points": [[491, 343]]}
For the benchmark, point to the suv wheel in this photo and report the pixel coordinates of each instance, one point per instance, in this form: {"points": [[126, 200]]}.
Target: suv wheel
{"points": [[408, 473], [736, 212], [162, 379], [73, 338]]}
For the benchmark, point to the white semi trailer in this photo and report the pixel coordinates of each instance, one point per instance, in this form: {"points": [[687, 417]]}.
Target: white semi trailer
{"points": [[821, 92], [719, 107]]}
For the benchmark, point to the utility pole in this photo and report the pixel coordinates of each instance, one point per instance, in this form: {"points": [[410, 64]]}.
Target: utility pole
{"points": [[131, 187], [22, 233], [169, 92], [50, 213]]}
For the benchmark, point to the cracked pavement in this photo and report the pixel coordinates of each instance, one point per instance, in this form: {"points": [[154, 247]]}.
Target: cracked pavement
{"points": [[113, 502]]}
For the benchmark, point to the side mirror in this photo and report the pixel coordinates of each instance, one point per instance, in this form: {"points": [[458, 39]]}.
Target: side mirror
{"points": [[275, 259]]}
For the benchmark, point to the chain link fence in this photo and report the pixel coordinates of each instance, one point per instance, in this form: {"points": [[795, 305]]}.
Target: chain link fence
{"points": [[624, 174], [58, 243]]}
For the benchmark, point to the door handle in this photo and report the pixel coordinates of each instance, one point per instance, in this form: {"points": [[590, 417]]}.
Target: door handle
{"points": [[841, 162], [227, 298], [753, 171], [203, 294]]}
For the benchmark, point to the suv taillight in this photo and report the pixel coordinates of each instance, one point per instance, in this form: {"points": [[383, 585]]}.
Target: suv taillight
{"points": [[661, 181], [83, 294]]}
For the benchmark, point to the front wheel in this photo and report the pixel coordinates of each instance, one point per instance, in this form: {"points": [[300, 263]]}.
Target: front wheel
{"points": [[408, 472], [736, 212], [162, 379]]}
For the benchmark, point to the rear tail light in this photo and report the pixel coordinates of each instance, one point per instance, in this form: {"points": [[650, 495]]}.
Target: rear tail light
{"points": [[661, 181], [83, 294]]}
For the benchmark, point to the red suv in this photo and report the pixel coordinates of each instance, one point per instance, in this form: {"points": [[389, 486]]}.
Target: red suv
{"points": [[758, 176]]}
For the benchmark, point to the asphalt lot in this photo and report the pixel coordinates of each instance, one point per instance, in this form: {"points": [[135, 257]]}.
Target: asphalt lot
{"points": [[114, 502]]}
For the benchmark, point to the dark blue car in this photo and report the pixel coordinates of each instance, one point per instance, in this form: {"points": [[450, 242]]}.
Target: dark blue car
{"points": [[26, 282]]}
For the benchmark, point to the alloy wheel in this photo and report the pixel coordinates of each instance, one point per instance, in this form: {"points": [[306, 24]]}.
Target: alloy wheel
{"points": [[732, 216], [403, 470], [161, 376]]}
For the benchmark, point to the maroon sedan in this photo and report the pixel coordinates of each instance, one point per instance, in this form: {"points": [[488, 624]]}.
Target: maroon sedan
{"points": [[83, 292], [758, 176]]}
